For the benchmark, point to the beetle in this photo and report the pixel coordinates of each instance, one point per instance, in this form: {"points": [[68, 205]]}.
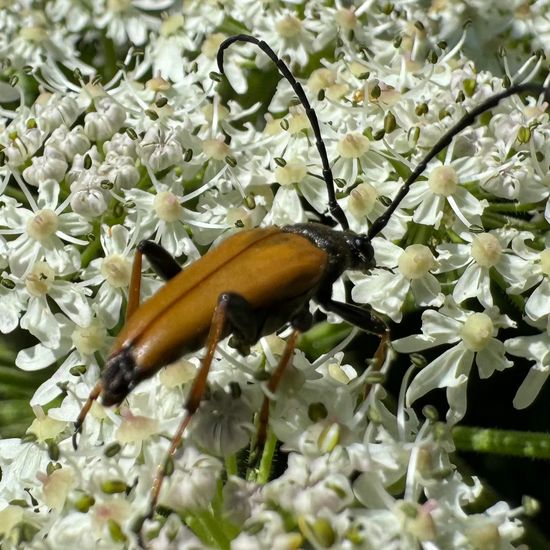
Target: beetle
{"points": [[286, 267]]}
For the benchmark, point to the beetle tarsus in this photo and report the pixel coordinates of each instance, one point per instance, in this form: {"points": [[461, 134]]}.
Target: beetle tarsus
{"points": [[77, 430]]}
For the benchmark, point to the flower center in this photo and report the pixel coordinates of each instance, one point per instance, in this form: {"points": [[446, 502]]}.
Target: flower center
{"points": [[416, 261], [292, 172], [346, 18], [40, 279], [215, 149], [117, 270], [167, 206], [43, 225], [87, 340], [477, 331], [443, 180], [486, 250], [297, 121], [362, 200], [288, 27], [353, 145]]}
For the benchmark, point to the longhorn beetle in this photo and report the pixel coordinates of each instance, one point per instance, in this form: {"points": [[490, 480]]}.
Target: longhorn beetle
{"points": [[211, 299]]}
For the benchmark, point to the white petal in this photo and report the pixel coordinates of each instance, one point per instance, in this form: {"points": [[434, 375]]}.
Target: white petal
{"points": [[427, 291], [49, 389], [23, 252], [430, 211], [384, 290], [48, 194], [468, 284], [40, 322], [109, 305], [38, 357], [453, 256], [445, 371], [72, 302], [535, 347], [492, 358], [531, 386], [538, 304]]}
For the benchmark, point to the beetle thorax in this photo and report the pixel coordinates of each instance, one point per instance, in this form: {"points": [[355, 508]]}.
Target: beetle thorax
{"points": [[345, 249]]}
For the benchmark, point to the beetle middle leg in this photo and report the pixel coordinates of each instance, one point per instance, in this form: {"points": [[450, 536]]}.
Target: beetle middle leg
{"points": [[364, 319]]}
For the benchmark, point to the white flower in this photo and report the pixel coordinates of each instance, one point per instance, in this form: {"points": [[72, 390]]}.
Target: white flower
{"points": [[57, 112], [473, 338], [193, 484], [485, 251], [42, 231], [41, 283], [386, 291], [112, 273], [52, 165], [162, 218], [89, 199], [70, 142], [443, 187], [160, 148], [78, 346]]}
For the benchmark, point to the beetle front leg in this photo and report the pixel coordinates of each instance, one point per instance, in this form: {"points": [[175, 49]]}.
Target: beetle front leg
{"points": [[365, 320], [161, 261]]}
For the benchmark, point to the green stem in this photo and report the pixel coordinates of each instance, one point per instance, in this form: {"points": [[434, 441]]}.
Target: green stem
{"points": [[267, 459], [492, 220], [511, 207], [231, 465], [322, 337], [110, 58], [196, 525], [214, 529], [91, 251], [502, 442]]}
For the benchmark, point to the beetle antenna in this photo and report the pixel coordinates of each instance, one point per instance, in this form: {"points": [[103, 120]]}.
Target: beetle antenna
{"points": [[446, 139], [334, 208]]}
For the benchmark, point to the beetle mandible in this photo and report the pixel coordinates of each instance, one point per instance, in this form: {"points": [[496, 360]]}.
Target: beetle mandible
{"points": [[211, 299]]}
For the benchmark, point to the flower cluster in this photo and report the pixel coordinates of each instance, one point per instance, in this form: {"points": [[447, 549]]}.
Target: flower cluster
{"points": [[116, 126]]}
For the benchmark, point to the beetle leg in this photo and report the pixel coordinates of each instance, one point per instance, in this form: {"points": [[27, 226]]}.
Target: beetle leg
{"points": [[162, 263], [224, 315], [94, 394], [244, 322], [272, 385], [365, 320]]}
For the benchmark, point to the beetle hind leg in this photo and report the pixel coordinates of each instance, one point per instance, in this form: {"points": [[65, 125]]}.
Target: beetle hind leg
{"points": [[94, 394], [234, 314]]}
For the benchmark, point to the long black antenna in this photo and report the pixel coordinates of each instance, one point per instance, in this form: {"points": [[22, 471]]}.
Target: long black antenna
{"points": [[443, 142], [446, 139], [334, 207]]}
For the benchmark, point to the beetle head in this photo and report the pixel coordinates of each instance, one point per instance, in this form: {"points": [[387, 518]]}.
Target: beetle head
{"points": [[118, 377], [362, 252]]}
